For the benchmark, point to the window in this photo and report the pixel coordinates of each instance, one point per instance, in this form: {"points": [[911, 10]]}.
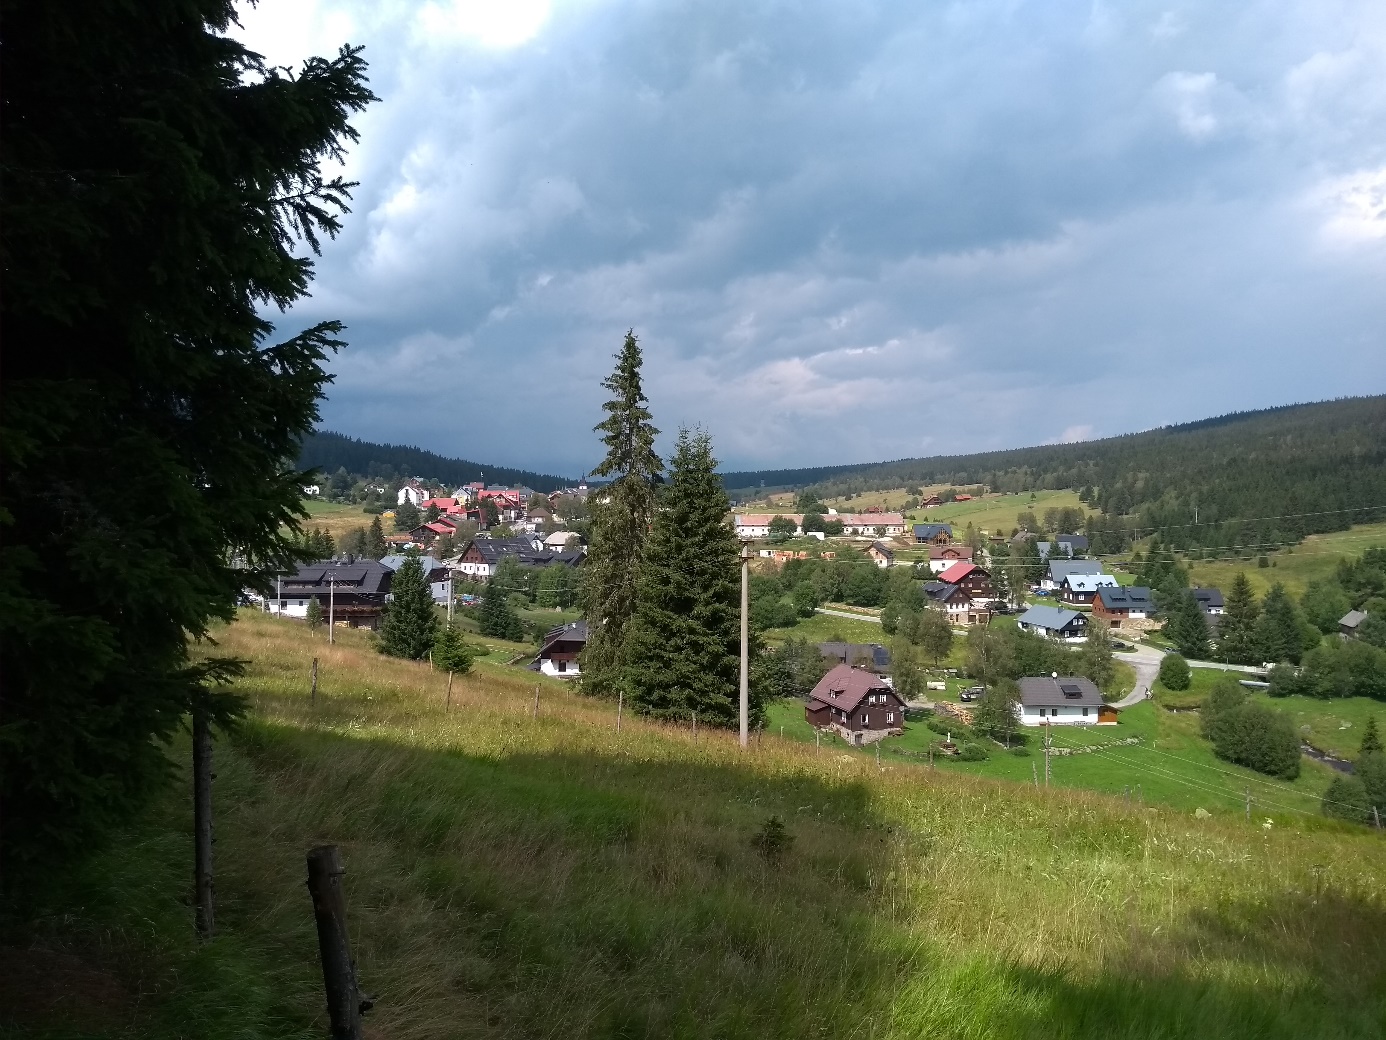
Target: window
{"points": [[1085, 713], [563, 667], [863, 718], [890, 716]]}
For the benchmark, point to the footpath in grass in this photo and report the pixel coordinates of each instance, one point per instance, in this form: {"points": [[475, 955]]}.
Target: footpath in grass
{"points": [[511, 876]]}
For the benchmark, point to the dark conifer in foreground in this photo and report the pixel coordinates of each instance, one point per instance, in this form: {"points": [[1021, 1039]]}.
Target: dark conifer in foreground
{"points": [[685, 638], [410, 624], [621, 516]]}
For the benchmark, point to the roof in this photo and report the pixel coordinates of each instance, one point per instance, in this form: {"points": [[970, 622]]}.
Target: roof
{"points": [[850, 652], [1078, 541], [572, 632], [1208, 597], [957, 572], [1088, 582], [523, 552], [940, 591], [943, 552], [1055, 619], [1353, 618], [428, 563], [763, 519], [1061, 569], [363, 577], [871, 519], [884, 550], [1042, 691], [844, 687], [1132, 597], [932, 530]]}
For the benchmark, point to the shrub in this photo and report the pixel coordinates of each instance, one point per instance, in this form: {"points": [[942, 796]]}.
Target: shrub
{"points": [[1346, 799], [1227, 693], [1254, 736], [1371, 771], [1019, 751], [773, 839], [971, 752], [1174, 672]]}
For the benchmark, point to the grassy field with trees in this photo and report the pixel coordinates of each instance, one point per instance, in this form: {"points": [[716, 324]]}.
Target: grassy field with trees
{"points": [[514, 877]]}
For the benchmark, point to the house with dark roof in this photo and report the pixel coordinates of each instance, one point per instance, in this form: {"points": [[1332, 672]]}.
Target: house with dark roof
{"points": [[1116, 604], [559, 654], [1058, 570], [352, 592], [1081, 588], [1350, 622], [956, 602], [976, 581], [937, 534], [1053, 622], [872, 656], [1064, 700], [436, 572], [881, 554], [479, 560], [857, 704], [1209, 600]]}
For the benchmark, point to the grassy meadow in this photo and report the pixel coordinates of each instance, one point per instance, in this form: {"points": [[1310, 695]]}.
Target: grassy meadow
{"points": [[513, 876], [988, 512], [1315, 557], [338, 518]]}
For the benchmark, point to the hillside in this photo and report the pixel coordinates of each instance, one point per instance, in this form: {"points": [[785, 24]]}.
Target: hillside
{"points": [[328, 452], [1311, 469], [513, 877]]}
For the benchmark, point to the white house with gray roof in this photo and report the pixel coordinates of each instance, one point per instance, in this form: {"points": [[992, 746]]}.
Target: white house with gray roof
{"points": [[1060, 569], [1054, 622], [1062, 700]]}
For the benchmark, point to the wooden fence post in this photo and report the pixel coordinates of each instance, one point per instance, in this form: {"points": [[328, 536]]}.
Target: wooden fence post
{"points": [[202, 823], [536, 704], [313, 693], [344, 1003], [620, 700], [449, 701]]}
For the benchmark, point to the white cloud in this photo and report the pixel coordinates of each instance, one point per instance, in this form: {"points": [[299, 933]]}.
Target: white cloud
{"points": [[1188, 97], [1074, 434], [1355, 206], [498, 24]]}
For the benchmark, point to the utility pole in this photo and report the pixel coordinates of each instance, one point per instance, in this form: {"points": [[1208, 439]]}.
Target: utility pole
{"points": [[331, 607], [1046, 755], [745, 646]]}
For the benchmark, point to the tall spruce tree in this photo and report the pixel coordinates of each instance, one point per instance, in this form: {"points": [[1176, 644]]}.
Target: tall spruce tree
{"points": [[375, 541], [162, 189], [1187, 626], [684, 648], [411, 624], [1237, 629], [622, 512], [496, 618], [1278, 635]]}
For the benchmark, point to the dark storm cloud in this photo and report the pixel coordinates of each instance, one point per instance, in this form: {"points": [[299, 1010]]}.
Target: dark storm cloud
{"points": [[851, 232]]}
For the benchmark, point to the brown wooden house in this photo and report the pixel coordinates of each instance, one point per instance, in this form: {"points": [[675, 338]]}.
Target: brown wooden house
{"points": [[974, 580], [856, 703]]}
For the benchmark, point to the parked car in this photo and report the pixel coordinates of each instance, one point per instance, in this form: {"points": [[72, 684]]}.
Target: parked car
{"points": [[1000, 606], [971, 693], [1117, 644]]}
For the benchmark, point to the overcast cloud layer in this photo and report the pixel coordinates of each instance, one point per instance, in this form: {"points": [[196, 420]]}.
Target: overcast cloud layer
{"points": [[849, 232]]}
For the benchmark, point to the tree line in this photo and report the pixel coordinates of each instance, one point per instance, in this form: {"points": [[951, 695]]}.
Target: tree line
{"points": [[330, 452]]}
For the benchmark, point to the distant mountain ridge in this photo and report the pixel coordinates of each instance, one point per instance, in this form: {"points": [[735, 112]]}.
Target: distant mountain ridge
{"points": [[328, 451]]}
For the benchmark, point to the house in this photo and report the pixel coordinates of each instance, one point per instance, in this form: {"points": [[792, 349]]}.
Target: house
{"points": [[425, 534], [559, 654], [974, 580], [1070, 545], [956, 602], [757, 525], [352, 591], [1117, 604], [560, 540], [451, 506], [938, 534], [1053, 622], [872, 656], [479, 560], [1349, 623], [857, 704], [1065, 700], [411, 491], [941, 557], [1060, 569], [1080, 588], [438, 573], [931, 502], [962, 498], [881, 554], [872, 525], [1209, 600], [312, 490]]}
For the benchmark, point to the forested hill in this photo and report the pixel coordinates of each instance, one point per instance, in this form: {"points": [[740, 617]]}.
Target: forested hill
{"points": [[329, 452], [1314, 467]]}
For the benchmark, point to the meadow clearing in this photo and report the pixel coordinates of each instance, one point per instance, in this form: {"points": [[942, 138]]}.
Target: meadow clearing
{"points": [[522, 875]]}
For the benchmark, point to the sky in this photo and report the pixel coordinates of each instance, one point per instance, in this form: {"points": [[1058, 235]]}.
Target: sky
{"points": [[848, 232]]}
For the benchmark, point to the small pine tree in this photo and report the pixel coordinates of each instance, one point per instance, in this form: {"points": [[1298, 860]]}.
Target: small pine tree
{"points": [[451, 653], [1371, 739], [314, 617], [497, 619], [375, 541], [410, 624]]}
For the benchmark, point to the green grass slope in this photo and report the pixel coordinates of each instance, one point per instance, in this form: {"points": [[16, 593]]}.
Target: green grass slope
{"points": [[519, 877]]}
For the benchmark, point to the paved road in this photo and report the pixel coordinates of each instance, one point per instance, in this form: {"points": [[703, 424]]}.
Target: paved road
{"points": [[874, 619], [1146, 661]]}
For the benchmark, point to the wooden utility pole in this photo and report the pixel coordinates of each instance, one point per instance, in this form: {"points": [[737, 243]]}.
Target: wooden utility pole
{"points": [[313, 693], [202, 823], [331, 608], [745, 645], [344, 1003]]}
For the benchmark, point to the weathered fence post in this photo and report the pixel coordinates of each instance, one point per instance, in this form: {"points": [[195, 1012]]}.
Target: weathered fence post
{"points": [[313, 693], [620, 700], [536, 704], [344, 1003], [449, 703], [202, 823]]}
